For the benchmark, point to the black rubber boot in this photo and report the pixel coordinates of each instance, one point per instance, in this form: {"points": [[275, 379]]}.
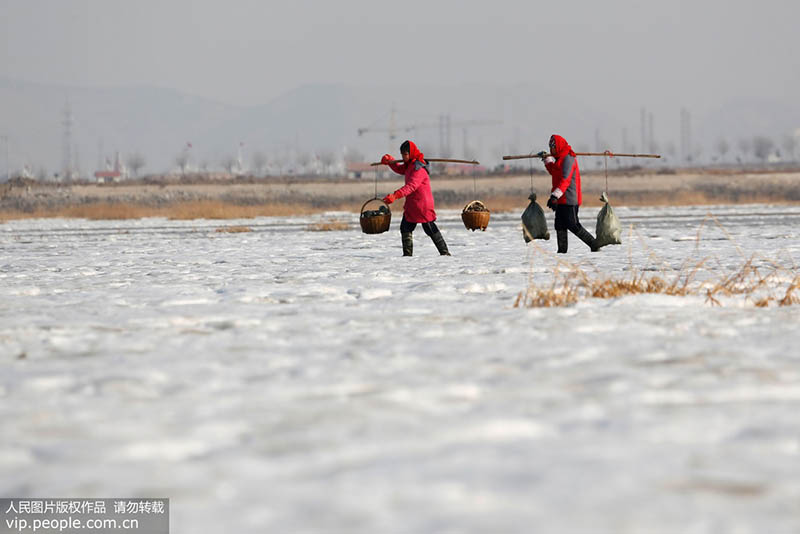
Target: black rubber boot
{"points": [[408, 243], [441, 246], [584, 235], [561, 238]]}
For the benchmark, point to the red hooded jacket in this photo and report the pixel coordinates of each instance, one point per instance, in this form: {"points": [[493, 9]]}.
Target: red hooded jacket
{"points": [[417, 190], [566, 176]]}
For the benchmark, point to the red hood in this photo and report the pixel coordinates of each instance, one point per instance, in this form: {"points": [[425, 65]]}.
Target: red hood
{"points": [[562, 148], [414, 154]]}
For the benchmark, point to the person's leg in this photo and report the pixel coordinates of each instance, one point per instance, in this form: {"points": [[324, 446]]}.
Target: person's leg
{"points": [[433, 232], [581, 232], [567, 219], [562, 223], [406, 228]]}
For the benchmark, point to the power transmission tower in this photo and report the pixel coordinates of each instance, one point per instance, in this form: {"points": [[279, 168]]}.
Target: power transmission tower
{"points": [[6, 141], [686, 135], [643, 124], [66, 143], [446, 124], [444, 135]]}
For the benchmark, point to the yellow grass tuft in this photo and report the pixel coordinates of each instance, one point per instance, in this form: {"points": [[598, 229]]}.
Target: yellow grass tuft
{"points": [[759, 280], [233, 229], [213, 209], [332, 226]]}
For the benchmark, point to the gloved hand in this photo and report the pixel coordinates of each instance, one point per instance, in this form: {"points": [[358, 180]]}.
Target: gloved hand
{"points": [[552, 202], [390, 197], [542, 154], [387, 158], [549, 159]]}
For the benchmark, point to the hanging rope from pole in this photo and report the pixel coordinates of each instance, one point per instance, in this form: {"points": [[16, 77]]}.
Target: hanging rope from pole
{"points": [[606, 155], [532, 154], [376, 183]]}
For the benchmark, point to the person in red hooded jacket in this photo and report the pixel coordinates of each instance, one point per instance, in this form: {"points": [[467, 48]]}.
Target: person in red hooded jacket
{"points": [[565, 196], [419, 198]]}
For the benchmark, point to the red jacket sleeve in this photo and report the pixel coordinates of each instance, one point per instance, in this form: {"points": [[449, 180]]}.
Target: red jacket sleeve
{"points": [[413, 181], [399, 168], [552, 168]]}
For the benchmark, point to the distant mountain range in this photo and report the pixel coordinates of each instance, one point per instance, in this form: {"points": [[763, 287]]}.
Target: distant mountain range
{"points": [[486, 121]]}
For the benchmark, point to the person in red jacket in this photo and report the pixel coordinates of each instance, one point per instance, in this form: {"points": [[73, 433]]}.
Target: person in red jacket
{"points": [[565, 196], [419, 198]]}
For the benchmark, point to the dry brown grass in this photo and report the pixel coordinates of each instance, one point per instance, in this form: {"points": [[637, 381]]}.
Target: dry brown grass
{"points": [[207, 209], [499, 203], [223, 210], [105, 211], [518, 201], [683, 198], [760, 281], [300, 196], [233, 229], [331, 226]]}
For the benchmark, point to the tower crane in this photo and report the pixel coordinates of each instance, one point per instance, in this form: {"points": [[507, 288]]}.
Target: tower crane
{"points": [[445, 125], [391, 130]]}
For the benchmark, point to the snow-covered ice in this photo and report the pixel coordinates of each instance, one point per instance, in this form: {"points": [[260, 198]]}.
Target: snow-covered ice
{"points": [[287, 380]]}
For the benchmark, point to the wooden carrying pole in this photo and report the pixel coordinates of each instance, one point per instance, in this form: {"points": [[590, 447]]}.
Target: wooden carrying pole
{"points": [[609, 154], [435, 160]]}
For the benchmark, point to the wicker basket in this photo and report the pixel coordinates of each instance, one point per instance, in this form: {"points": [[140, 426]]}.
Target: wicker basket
{"points": [[376, 224], [475, 220]]}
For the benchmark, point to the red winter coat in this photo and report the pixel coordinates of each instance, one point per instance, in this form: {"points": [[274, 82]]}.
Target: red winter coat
{"points": [[565, 174], [419, 198]]}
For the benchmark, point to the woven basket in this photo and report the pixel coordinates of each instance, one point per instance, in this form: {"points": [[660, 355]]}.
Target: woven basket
{"points": [[475, 220], [376, 224]]}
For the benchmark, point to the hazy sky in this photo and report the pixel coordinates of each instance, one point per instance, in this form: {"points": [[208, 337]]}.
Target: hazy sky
{"points": [[249, 51]]}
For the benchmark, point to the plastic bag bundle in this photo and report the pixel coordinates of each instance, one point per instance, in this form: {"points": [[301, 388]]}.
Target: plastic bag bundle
{"points": [[609, 228], [534, 225]]}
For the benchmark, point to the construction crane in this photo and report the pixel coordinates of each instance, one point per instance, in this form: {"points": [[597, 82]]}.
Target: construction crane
{"points": [[445, 126], [391, 130]]}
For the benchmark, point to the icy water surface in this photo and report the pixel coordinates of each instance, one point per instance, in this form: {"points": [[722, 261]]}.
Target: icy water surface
{"points": [[286, 380]]}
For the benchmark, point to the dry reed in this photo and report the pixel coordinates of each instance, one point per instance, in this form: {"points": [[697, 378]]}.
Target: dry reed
{"points": [[202, 209], [224, 210], [332, 226], [233, 229], [518, 200], [760, 281]]}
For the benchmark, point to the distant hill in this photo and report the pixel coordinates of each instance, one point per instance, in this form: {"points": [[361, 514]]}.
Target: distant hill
{"points": [[155, 122], [160, 122]]}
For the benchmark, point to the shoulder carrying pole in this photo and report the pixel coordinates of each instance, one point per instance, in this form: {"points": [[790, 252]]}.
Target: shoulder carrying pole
{"points": [[437, 160], [606, 153]]}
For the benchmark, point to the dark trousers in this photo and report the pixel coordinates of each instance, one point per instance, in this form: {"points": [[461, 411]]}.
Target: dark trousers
{"points": [[567, 218], [429, 228]]}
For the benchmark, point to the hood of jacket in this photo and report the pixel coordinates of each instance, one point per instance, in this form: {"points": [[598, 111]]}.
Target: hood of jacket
{"points": [[559, 147], [414, 154]]}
